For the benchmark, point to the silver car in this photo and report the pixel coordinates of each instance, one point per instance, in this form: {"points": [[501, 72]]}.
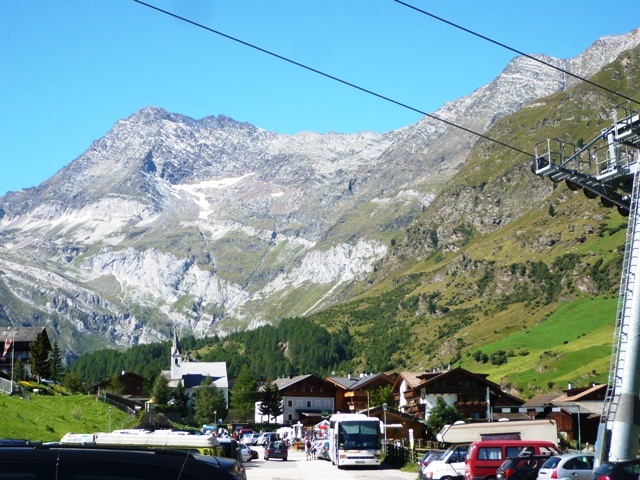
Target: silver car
{"points": [[570, 466]]}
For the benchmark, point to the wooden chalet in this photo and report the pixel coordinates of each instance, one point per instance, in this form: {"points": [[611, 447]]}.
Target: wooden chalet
{"points": [[577, 411], [471, 393], [352, 392], [399, 423], [22, 338], [132, 382]]}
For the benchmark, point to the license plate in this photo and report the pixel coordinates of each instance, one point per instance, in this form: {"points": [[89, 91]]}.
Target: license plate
{"points": [[359, 461]]}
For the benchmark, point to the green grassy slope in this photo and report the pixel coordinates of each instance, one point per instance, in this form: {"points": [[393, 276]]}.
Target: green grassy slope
{"points": [[49, 418]]}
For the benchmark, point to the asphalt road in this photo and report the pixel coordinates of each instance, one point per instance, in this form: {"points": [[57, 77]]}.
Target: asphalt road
{"points": [[298, 468]]}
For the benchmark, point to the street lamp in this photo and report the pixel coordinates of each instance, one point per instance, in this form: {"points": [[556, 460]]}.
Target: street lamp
{"points": [[215, 417], [384, 409]]}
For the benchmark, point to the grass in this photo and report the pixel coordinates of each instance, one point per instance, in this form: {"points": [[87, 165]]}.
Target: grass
{"points": [[571, 345], [49, 418]]}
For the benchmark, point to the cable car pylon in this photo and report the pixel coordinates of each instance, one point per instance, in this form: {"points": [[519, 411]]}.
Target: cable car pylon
{"points": [[607, 167]]}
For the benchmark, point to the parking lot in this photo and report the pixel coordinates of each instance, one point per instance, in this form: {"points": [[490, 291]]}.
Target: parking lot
{"points": [[298, 468]]}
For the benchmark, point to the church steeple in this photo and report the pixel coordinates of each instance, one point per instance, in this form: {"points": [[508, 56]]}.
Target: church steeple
{"points": [[175, 348], [176, 356]]}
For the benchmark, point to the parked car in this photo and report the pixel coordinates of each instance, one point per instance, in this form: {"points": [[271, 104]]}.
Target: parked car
{"points": [[570, 466], [521, 468], [428, 457], [266, 438], [624, 470], [73, 461], [246, 452], [252, 439], [254, 454], [276, 450]]}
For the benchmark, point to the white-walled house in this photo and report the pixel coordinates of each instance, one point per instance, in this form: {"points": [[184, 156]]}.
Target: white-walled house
{"points": [[305, 398]]}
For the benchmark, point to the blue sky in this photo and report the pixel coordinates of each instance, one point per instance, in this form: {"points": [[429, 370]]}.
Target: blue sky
{"points": [[71, 69]]}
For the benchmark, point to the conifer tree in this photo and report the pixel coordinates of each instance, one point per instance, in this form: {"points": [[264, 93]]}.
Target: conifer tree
{"points": [[161, 391], [245, 395], [181, 399], [209, 403], [266, 399], [39, 356], [55, 365]]}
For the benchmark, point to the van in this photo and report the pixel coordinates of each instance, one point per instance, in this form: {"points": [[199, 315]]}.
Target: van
{"points": [[484, 457], [450, 466], [114, 463]]}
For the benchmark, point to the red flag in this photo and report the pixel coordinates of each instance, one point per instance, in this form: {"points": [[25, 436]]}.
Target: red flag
{"points": [[7, 345]]}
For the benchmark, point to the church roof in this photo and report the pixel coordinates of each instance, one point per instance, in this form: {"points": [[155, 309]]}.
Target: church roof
{"points": [[195, 372]]}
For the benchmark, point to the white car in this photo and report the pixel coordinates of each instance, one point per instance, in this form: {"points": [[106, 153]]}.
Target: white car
{"points": [[570, 466], [246, 452]]}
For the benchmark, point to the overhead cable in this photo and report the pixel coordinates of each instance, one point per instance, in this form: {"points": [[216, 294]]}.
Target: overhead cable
{"points": [[531, 57], [344, 82]]}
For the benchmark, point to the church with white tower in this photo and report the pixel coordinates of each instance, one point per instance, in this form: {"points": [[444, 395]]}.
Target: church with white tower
{"points": [[193, 373]]}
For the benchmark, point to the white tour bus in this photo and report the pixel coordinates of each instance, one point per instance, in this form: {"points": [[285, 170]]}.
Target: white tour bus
{"points": [[354, 439]]}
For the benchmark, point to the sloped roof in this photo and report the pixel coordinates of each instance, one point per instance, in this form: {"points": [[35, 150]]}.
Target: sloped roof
{"points": [[584, 394], [357, 382], [286, 382], [21, 334], [540, 400], [430, 378], [194, 371], [413, 379]]}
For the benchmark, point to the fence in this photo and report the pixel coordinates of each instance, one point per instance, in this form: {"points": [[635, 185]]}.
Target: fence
{"points": [[400, 453]]}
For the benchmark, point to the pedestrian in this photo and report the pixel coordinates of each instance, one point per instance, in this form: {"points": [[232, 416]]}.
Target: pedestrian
{"points": [[313, 451], [307, 449]]}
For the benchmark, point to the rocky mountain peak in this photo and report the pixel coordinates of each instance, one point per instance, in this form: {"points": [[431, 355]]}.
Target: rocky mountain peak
{"points": [[214, 224]]}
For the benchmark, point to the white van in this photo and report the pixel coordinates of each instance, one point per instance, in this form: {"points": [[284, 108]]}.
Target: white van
{"points": [[450, 466]]}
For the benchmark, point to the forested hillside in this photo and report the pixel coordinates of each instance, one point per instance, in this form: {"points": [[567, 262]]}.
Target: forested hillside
{"points": [[296, 346]]}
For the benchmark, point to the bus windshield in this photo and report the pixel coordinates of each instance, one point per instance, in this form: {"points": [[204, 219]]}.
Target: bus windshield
{"points": [[356, 434]]}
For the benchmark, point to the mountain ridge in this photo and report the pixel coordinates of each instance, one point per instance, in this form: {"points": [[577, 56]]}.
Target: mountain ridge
{"points": [[215, 225]]}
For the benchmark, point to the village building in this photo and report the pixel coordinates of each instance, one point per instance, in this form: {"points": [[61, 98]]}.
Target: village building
{"points": [[131, 383], [353, 393], [473, 395], [16, 346], [192, 374], [576, 411], [305, 398]]}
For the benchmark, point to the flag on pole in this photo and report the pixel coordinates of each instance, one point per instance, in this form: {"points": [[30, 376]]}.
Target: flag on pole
{"points": [[7, 345]]}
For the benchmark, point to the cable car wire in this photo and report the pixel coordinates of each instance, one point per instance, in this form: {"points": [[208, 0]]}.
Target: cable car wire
{"points": [[344, 82], [531, 57]]}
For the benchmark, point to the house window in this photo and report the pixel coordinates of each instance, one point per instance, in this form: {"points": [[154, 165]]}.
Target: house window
{"points": [[327, 403], [302, 389], [321, 389], [308, 403], [290, 403], [290, 417], [299, 403]]}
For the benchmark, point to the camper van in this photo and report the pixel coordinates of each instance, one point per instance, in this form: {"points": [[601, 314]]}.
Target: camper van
{"points": [[459, 436]]}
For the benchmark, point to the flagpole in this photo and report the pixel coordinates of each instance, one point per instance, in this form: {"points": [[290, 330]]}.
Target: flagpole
{"points": [[13, 341]]}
